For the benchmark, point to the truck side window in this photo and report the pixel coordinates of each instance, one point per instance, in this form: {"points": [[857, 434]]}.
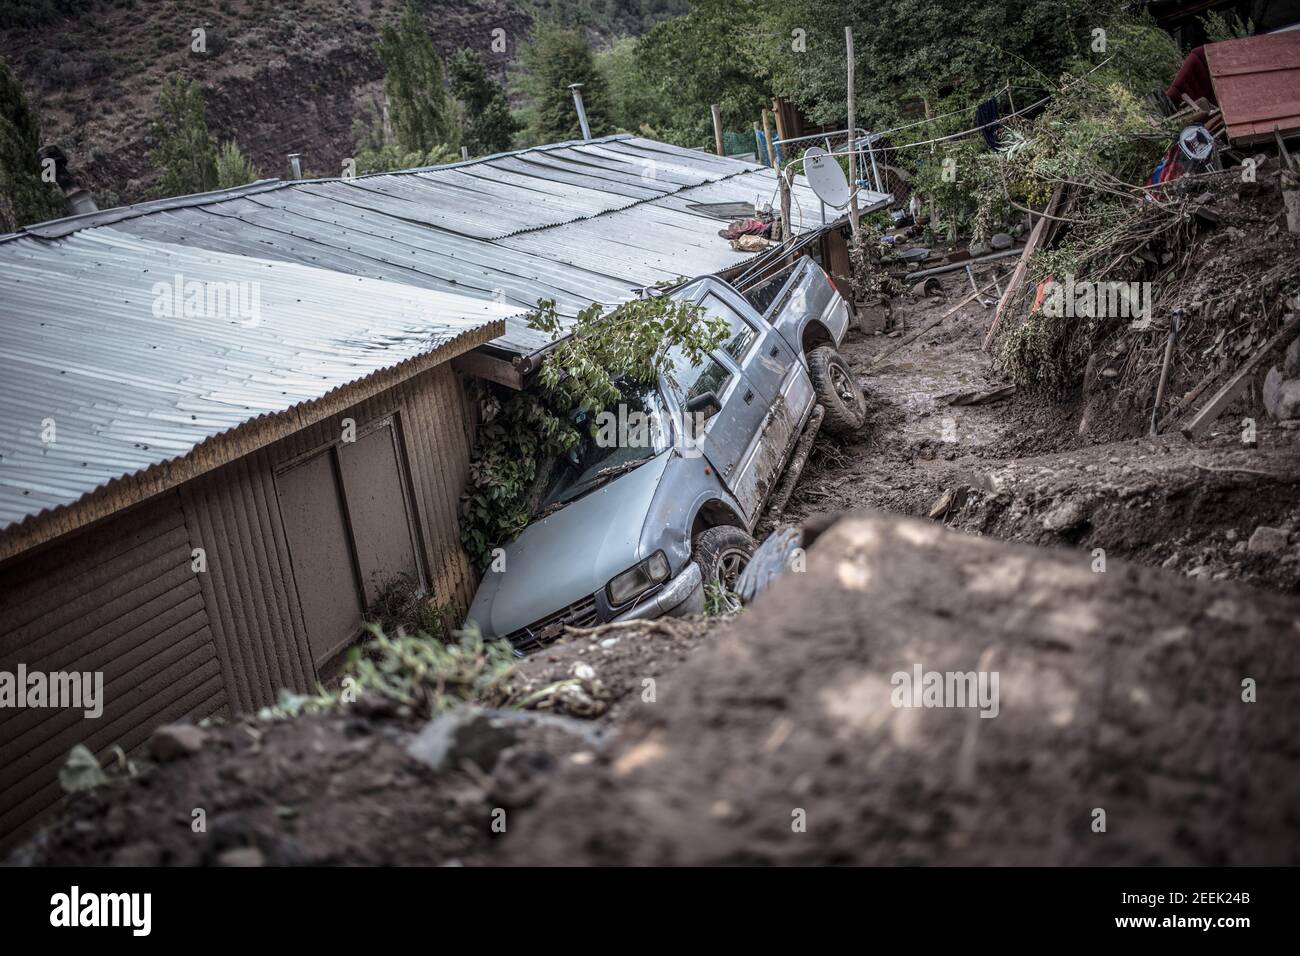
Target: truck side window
{"points": [[710, 375], [764, 294], [742, 333]]}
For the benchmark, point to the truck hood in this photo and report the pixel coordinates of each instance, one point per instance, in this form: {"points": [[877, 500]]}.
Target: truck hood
{"points": [[568, 555]]}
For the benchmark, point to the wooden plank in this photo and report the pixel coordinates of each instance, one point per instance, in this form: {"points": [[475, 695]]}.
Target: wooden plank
{"points": [[1224, 397], [1036, 237], [478, 365], [198, 694]]}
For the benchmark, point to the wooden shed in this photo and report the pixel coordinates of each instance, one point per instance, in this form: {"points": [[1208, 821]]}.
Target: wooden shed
{"points": [[201, 507]]}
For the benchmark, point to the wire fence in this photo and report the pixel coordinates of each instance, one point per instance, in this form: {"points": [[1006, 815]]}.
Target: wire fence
{"points": [[875, 169]]}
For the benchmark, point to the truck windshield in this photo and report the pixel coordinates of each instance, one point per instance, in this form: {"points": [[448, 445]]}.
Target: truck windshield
{"points": [[613, 442]]}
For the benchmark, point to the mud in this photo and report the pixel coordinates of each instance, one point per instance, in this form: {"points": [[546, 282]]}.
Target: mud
{"points": [[1120, 692], [1191, 506]]}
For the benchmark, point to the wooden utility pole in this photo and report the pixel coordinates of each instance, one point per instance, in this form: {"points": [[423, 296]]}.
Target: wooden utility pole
{"points": [[717, 128], [929, 132], [767, 137], [776, 115], [853, 145]]}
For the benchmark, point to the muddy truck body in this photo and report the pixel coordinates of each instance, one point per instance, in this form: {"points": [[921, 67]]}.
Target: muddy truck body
{"points": [[653, 513]]}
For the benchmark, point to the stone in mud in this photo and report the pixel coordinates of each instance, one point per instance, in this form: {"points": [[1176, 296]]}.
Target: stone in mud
{"points": [[1267, 540], [173, 741], [1065, 517]]}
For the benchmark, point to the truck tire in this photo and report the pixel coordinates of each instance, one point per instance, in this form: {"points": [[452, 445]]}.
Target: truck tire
{"points": [[837, 390], [722, 553]]}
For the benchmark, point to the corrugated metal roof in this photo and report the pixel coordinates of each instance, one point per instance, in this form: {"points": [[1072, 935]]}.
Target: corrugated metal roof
{"points": [[354, 276], [577, 222], [89, 344]]}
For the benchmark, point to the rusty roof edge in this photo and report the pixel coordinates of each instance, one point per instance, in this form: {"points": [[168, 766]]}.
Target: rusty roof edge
{"points": [[218, 450]]}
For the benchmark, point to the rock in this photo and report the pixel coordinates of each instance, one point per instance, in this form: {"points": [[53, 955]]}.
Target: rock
{"points": [[978, 248], [1291, 360], [1000, 240], [1281, 395], [241, 856], [1170, 562], [137, 854], [173, 741], [1267, 540], [1065, 517], [481, 735], [466, 733]]}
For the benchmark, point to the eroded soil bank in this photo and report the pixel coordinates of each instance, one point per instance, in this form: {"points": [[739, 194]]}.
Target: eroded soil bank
{"points": [[1019, 469]]}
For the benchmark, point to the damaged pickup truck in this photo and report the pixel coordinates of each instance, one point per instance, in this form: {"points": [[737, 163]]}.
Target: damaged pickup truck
{"points": [[638, 528]]}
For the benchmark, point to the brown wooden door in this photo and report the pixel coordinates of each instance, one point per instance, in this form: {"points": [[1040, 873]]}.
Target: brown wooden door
{"points": [[311, 504], [382, 529]]}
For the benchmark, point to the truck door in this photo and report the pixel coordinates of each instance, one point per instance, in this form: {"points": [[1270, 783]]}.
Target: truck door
{"points": [[748, 440], [777, 374], [725, 437]]}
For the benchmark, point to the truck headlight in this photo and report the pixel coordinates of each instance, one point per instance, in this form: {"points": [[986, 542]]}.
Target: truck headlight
{"points": [[638, 579]]}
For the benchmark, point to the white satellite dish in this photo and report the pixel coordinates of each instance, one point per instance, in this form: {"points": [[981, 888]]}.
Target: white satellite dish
{"points": [[826, 178]]}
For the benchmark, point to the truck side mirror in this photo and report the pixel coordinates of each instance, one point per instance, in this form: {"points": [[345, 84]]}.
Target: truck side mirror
{"points": [[704, 406]]}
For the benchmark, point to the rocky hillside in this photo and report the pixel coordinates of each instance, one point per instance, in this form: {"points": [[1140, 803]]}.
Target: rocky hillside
{"points": [[278, 77]]}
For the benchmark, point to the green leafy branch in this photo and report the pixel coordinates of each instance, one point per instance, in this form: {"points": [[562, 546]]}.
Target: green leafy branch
{"points": [[521, 429]]}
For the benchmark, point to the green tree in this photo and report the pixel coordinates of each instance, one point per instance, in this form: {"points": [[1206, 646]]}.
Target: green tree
{"points": [[489, 126], [383, 159], [554, 57], [233, 167], [1219, 27], [635, 104], [422, 114], [24, 197], [687, 63], [913, 48], [185, 152]]}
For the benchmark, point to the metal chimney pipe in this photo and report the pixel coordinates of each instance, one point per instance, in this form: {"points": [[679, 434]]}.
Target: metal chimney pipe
{"points": [[296, 165], [576, 89]]}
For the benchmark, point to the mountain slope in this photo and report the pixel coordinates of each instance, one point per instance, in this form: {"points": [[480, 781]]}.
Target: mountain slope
{"points": [[279, 78]]}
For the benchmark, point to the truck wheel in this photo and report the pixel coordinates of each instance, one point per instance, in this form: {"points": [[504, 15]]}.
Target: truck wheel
{"points": [[837, 390], [722, 553]]}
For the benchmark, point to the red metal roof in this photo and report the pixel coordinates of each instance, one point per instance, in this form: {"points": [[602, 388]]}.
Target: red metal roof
{"points": [[1257, 83]]}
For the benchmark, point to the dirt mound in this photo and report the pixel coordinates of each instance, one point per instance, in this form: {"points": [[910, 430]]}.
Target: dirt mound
{"points": [[312, 791], [345, 790], [1163, 501], [774, 738], [1119, 691]]}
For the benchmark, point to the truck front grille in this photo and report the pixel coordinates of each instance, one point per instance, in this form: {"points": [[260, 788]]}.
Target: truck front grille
{"points": [[581, 613]]}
